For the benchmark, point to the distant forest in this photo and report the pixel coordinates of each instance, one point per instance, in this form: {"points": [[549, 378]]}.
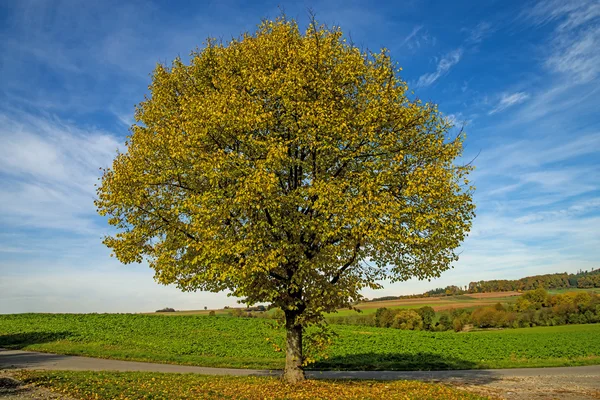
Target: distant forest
{"points": [[581, 279]]}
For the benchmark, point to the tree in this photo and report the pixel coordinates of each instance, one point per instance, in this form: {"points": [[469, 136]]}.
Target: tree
{"points": [[427, 315], [289, 168], [408, 320]]}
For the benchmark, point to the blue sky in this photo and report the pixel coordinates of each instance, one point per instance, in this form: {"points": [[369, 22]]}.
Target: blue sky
{"points": [[523, 76]]}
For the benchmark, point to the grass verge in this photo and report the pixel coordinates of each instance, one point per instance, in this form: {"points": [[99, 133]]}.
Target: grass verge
{"points": [[144, 385]]}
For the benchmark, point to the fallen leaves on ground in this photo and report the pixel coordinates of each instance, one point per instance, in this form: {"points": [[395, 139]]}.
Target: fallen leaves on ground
{"points": [[143, 385]]}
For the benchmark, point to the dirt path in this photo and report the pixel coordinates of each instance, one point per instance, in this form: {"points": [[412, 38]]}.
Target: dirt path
{"points": [[522, 383]]}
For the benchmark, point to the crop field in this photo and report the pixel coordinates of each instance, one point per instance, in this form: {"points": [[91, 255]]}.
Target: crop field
{"points": [[438, 303], [442, 303], [242, 343], [144, 385]]}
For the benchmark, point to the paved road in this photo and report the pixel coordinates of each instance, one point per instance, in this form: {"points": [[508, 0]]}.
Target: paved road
{"points": [[35, 360]]}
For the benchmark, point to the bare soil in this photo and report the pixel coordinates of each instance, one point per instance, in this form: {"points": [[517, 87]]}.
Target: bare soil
{"points": [[13, 389], [493, 294], [561, 387]]}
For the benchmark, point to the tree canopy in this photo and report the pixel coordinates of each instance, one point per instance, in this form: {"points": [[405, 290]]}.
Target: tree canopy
{"points": [[287, 167]]}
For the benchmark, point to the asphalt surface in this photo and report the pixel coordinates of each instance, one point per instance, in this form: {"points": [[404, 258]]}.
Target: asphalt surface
{"points": [[17, 359]]}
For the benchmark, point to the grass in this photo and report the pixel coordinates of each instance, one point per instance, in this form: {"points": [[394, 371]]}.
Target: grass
{"points": [[242, 343], [561, 291], [144, 385], [372, 310]]}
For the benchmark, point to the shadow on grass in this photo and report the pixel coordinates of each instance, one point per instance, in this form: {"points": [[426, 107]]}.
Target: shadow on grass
{"points": [[420, 366], [9, 359], [18, 341], [393, 361]]}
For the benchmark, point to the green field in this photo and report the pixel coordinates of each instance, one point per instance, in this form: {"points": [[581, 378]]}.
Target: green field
{"points": [[144, 385], [241, 342], [561, 291]]}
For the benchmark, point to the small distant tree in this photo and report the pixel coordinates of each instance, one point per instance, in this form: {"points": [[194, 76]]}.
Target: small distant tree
{"points": [[458, 324], [211, 313], [538, 297], [408, 320], [384, 317], [427, 314], [290, 168], [205, 308]]}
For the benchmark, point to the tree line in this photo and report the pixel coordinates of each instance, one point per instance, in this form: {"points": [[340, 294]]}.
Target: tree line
{"points": [[580, 280], [533, 308]]}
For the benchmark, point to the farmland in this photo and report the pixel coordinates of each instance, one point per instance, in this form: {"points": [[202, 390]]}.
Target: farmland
{"points": [[438, 303], [222, 341]]}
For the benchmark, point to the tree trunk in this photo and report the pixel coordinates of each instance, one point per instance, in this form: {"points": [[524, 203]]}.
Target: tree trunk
{"points": [[293, 372]]}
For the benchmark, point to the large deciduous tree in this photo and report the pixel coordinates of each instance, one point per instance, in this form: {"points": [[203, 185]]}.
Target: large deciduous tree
{"points": [[289, 168]]}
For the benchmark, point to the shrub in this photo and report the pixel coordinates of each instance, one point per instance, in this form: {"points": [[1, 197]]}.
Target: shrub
{"points": [[384, 318], [458, 324], [445, 323], [408, 320], [211, 313], [484, 317], [278, 314], [365, 320], [237, 312], [166, 309]]}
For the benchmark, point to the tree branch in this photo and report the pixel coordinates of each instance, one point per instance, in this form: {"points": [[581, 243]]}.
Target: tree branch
{"points": [[336, 278]]}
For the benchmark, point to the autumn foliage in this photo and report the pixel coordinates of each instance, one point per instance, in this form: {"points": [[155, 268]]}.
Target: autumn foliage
{"points": [[289, 168]]}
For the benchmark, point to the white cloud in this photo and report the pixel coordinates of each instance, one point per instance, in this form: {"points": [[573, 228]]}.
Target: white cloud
{"points": [[49, 168], [446, 62], [412, 34], [508, 100], [576, 54], [576, 37], [573, 13], [536, 153], [417, 38], [104, 288], [477, 34]]}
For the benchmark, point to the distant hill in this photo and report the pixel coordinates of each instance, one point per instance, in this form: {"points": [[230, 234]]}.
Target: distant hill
{"points": [[581, 279]]}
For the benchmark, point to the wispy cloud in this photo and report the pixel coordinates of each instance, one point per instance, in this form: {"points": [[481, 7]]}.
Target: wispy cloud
{"points": [[443, 67], [48, 169], [412, 35], [508, 100], [480, 32], [576, 38], [576, 54], [417, 38]]}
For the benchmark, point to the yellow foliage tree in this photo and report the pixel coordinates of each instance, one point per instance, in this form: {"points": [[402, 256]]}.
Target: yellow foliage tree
{"points": [[289, 168]]}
